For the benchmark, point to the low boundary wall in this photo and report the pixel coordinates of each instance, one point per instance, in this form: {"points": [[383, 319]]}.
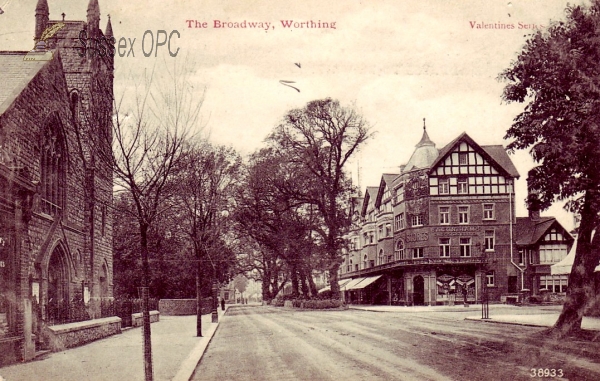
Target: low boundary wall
{"points": [[176, 307], [137, 319], [63, 336]]}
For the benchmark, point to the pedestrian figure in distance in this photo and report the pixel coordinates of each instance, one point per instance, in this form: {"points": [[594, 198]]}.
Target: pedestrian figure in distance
{"points": [[223, 304], [464, 292]]}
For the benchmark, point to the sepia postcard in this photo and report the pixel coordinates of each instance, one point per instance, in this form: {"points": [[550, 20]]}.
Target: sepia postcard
{"points": [[439, 270]]}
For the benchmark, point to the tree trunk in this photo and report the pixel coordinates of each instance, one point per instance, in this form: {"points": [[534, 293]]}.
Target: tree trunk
{"points": [[266, 297], [145, 301], [581, 280], [333, 265], [294, 277], [198, 298], [312, 285], [303, 285], [333, 282]]}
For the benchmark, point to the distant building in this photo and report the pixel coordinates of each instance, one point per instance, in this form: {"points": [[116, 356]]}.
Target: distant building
{"points": [[55, 191], [444, 230]]}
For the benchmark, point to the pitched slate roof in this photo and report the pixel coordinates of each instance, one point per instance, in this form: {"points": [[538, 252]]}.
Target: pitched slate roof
{"points": [[529, 232], [15, 75], [495, 154], [498, 153], [387, 179], [68, 35], [370, 193]]}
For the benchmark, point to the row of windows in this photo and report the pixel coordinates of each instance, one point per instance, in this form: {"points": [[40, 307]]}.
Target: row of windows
{"points": [[552, 253], [444, 243], [548, 253], [554, 283], [417, 220], [468, 185]]}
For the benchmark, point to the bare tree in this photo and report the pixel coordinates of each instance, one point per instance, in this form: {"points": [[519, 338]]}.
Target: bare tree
{"points": [[148, 139]]}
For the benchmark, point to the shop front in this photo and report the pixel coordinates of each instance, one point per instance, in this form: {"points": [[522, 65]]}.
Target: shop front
{"points": [[442, 285]]}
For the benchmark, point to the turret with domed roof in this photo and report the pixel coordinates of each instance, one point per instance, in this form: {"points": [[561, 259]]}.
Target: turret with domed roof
{"points": [[424, 154]]}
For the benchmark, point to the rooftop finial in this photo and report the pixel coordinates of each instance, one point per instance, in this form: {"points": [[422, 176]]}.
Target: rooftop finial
{"points": [[423, 124], [63, 15]]}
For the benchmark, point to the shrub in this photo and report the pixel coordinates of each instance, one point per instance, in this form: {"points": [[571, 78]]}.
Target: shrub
{"points": [[324, 295], [318, 304], [277, 302]]}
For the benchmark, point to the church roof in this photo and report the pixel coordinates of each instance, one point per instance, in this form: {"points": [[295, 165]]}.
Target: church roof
{"points": [[15, 76], [68, 35]]}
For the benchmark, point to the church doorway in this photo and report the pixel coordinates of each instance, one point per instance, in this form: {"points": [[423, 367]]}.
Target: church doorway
{"points": [[58, 286]]}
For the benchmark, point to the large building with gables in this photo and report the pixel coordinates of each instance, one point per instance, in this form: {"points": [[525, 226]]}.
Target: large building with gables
{"points": [[55, 189], [444, 230]]}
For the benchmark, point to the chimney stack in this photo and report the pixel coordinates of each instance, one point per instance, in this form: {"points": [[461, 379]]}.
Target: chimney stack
{"points": [[533, 202]]}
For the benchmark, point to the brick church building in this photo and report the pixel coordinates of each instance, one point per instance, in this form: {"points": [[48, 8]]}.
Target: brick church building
{"points": [[55, 185]]}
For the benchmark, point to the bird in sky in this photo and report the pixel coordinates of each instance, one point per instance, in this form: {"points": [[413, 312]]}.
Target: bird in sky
{"points": [[298, 64], [286, 83]]}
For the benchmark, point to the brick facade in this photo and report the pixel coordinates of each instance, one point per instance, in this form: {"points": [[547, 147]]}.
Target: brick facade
{"points": [[451, 211], [56, 226]]}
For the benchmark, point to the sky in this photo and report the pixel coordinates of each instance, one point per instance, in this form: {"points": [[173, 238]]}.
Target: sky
{"points": [[396, 62]]}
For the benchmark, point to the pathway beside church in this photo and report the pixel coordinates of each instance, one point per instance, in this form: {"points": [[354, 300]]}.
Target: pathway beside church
{"points": [[118, 357]]}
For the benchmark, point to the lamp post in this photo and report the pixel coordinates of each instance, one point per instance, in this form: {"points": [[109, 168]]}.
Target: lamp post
{"points": [[215, 303], [485, 304]]}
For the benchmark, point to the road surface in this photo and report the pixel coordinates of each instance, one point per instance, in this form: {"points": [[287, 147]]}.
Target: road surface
{"points": [[276, 344]]}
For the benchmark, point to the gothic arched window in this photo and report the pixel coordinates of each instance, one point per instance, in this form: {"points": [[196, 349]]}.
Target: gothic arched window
{"points": [[52, 168]]}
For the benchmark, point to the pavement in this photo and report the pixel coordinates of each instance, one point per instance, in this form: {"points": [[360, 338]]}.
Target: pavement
{"points": [[535, 320], [175, 351], [534, 316]]}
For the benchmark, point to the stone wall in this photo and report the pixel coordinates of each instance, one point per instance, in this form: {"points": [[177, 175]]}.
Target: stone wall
{"points": [[61, 337], [174, 307], [138, 320]]}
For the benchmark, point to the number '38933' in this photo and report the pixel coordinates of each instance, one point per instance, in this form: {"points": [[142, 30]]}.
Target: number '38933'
{"points": [[546, 372]]}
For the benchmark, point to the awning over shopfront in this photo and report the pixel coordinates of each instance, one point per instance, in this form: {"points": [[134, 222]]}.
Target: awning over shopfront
{"points": [[341, 284], [367, 282], [364, 282], [350, 285], [564, 267]]}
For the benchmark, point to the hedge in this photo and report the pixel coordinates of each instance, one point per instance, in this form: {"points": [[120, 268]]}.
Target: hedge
{"points": [[313, 304]]}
